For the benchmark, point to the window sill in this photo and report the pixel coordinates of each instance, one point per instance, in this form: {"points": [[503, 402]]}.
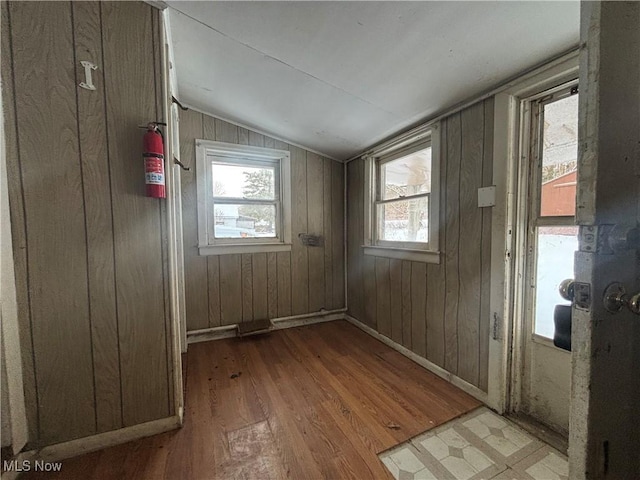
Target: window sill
{"points": [[248, 248], [425, 256]]}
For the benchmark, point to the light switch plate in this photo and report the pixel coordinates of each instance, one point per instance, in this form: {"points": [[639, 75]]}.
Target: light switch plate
{"points": [[487, 196]]}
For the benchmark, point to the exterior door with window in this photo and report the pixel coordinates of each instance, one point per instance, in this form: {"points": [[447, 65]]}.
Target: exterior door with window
{"points": [[551, 241]]}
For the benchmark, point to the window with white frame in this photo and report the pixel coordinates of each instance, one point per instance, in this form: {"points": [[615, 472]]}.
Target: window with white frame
{"points": [[402, 184], [244, 199]]}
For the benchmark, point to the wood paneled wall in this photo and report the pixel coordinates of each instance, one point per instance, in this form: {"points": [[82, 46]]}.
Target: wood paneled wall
{"points": [[90, 249], [440, 312], [229, 289]]}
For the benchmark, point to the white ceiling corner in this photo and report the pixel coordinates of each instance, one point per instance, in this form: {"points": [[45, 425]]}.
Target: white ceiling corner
{"points": [[338, 77]]}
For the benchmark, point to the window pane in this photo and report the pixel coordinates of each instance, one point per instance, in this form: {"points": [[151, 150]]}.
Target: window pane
{"points": [[245, 221], [559, 157], [406, 176], [236, 181], [556, 246], [404, 220]]}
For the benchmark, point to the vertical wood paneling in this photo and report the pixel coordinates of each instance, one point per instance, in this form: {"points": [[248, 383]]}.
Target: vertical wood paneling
{"points": [[283, 259], [196, 289], [395, 286], [452, 235], [315, 226], [225, 131], [327, 234], [337, 233], [97, 201], [90, 249], [418, 308], [230, 289], [256, 139], [46, 115], [272, 284], [406, 303], [213, 261], [229, 279], [259, 260], [279, 284], [247, 286], [18, 227], [208, 128], [369, 275], [427, 314], [470, 232], [436, 274], [355, 206], [435, 314], [382, 297], [299, 254], [259, 276], [485, 313], [138, 249], [243, 136], [213, 286], [284, 284]]}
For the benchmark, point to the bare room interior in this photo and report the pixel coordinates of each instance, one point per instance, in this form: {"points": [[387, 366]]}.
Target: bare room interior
{"points": [[320, 240]]}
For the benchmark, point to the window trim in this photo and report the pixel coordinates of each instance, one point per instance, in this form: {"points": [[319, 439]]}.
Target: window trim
{"points": [[206, 149], [417, 139]]}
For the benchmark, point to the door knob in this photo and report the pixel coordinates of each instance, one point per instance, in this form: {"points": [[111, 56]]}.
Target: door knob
{"points": [[634, 304], [567, 289], [616, 298], [562, 315]]}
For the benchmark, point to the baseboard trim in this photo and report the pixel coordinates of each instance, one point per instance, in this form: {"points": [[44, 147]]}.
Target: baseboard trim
{"points": [[229, 331], [423, 362], [214, 333], [80, 446]]}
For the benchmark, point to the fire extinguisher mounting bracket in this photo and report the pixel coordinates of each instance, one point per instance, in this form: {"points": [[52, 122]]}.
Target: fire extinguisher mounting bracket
{"points": [[88, 81], [152, 125]]}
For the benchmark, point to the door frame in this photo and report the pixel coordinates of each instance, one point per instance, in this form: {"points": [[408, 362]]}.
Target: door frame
{"points": [[528, 206], [176, 292], [507, 263]]}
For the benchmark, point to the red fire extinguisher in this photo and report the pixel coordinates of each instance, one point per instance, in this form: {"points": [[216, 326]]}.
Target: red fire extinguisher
{"points": [[154, 161]]}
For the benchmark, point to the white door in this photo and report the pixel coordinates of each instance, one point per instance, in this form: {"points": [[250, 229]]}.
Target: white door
{"points": [[550, 241]]}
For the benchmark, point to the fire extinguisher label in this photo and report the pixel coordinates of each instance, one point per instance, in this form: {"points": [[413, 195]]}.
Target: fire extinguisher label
{"points": [[154, 178], [154, 173]]}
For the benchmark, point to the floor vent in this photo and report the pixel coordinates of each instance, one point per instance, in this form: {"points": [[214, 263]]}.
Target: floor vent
{"points": [[254, 327]]}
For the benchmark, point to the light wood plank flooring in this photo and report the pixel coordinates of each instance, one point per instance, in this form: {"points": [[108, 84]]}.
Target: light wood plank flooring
{"points": [[312, 402]]}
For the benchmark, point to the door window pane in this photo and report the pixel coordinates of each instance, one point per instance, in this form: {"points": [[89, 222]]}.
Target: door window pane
{"points": [[556, 248], [559, 157], [404, 220]]}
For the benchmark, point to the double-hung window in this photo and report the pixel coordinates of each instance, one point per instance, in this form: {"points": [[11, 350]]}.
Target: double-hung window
{"points": [[244, 202], [402, 185]]}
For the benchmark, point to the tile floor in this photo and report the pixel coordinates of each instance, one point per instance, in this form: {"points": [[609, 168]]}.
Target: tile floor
{"points": [[479, 445]]}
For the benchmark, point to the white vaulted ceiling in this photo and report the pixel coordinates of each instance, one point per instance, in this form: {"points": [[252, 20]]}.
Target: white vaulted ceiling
{"points": [[339, 76]]}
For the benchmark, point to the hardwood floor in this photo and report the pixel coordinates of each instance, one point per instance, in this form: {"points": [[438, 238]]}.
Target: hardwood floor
{"points": [[311, 402]]}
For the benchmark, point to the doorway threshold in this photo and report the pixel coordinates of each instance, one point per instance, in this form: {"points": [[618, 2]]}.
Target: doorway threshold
{"points": [[556, 439]]}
